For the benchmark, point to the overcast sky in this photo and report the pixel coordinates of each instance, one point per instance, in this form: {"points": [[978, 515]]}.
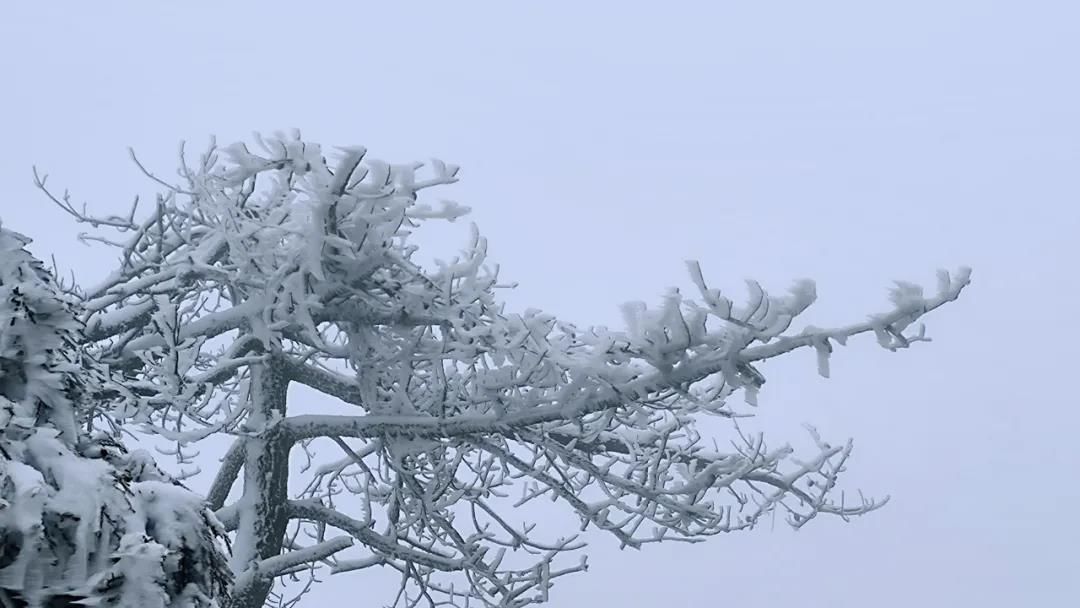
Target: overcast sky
{"points": [[851, 142]]}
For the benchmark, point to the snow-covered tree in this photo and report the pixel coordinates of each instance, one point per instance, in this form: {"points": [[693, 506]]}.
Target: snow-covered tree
{"points": [[262, 270], [82, 520]]}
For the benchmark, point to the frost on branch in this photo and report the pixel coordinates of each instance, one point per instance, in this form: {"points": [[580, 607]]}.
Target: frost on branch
{"points": [[277, 264], [82, 521]]}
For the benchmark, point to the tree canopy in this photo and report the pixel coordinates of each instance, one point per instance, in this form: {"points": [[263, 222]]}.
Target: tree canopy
{"points": [[260, 270]]}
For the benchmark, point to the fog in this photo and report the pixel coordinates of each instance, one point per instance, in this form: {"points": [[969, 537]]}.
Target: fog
{"points": [[602, 145]]}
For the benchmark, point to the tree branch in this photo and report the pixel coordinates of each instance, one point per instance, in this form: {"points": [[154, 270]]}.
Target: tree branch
{"points": [[275, 566], [312, 510], [327, 382], [227, 475], [600, 397], [877, 323]]}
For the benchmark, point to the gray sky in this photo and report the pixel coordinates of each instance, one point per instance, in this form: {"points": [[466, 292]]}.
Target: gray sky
{"points": [[850, 142]]}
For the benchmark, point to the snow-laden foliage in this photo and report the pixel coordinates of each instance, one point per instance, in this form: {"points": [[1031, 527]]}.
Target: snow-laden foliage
{"points": [[262, 269], [82, 521]]}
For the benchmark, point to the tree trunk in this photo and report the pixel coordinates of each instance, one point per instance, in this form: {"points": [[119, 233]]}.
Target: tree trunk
{"points": [[263, 514]]}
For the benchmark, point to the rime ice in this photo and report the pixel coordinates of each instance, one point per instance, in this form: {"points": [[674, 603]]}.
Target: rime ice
{"points": [[286, 266]]}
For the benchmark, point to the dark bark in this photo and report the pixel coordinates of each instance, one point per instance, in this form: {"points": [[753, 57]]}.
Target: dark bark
{"points": [[266, 481]]}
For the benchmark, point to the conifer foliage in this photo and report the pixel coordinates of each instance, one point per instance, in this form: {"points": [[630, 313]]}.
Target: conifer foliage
{"points": [[83, 522]]}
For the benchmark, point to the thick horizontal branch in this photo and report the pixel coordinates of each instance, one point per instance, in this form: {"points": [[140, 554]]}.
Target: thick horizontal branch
{"points": [[213, 324], [275, 566], [599, 398], [103, 326], [327, 382], [107, 324]]}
